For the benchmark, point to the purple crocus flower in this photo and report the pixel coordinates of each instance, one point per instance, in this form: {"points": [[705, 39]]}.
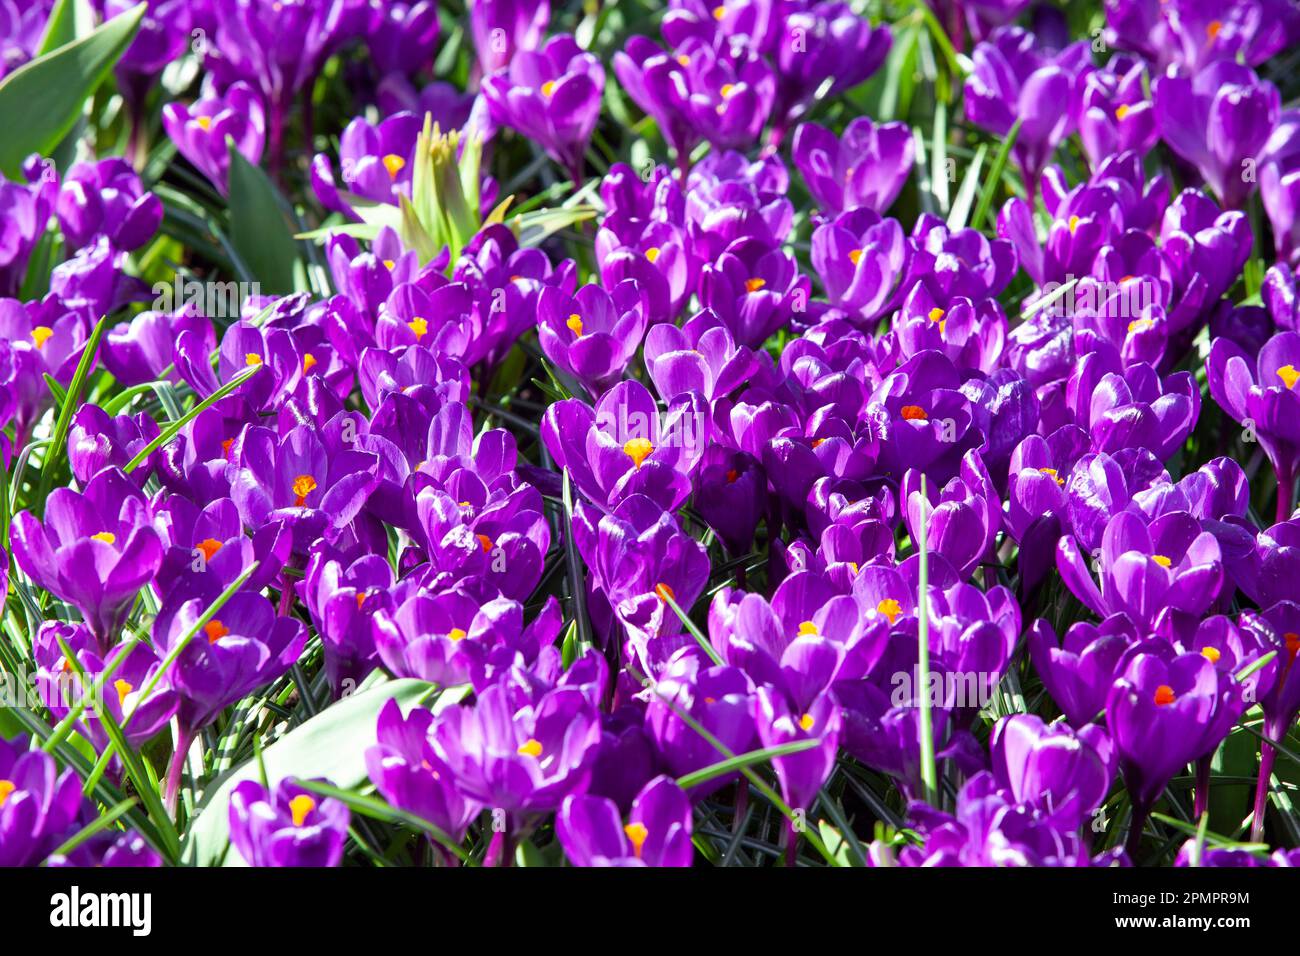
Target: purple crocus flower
{"points": [[96, 442], [658, 831], [1262, 396], [342, 598], [1159, 712], [107, 198], [1279, 186], [552, 96], [624, 446], [200, 131], [141, 350], [242, 647], [403, 36], [754, 289], [594, 334], [376, 164], [860, 259], [404, 769], [866, 166], [1061, 773], [110, 849], [502, 28], [38, 805], [964, 522], [1219, 122], [292, 827], [1115, 116], [95, 549], [1147, 570], [1079, 671], [523, 759], [700, 356], [1016, 79]]}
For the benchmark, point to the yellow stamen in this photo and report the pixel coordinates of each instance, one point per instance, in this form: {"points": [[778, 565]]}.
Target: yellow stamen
{"points": [[914, 413], [1211, 654], [1074, 223], [855, 256], [252, 358], [394, 164], [215, 630], [575, 324], [209, 547], [1054, 475], [487, 543], [664, 592], [637, 832], [225, 446], [1121, 111], [638, 449], [806, 628], [1161, 560], [719, 12], [105, 536], [936, 314], [361, 599], [753, 285], [389, 264], [457, 634], [548, 88], [890, 608], [531, 748], [727, 89], [303, 485], [308, 362], [419, 325], [123, 688], [684, 60], [300, 806], [6, 787], [1289, 375], [1165, 695], [205, 123], [1212, 29], [652, 253], [41, 334], [1140, 325], [806, 722]]}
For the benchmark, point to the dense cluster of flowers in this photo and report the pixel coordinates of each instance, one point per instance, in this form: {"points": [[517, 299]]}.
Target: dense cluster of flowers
{"points": [[721, 502]]}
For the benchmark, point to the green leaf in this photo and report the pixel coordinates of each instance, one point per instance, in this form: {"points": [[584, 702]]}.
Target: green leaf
{"points": [[41, 101], [174, 428], [332, 745], [259, 231], [732, 764]]}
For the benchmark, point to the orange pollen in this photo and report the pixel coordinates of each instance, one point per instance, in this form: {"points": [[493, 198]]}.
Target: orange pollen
{"points": [[806, 722], [300, 806], [225, 446], [727, 90], [215, 630], [1212, 29], [419, 325], [575, 324], [530, 748], [637, 832], [487, 543], [548, 88], [457, 634], [719, 12], [1161, 560], [890, 608], [205, 123], [389, 264], [303, 485], [252, 358], [753, 285], [1211, 654], [914, 413], [855, 256], [808, 628], [665, 592], [6, 788], [41, 334], [1074, 223], [394, 164], [308, 362], [936, 314], [123, 688], [1140, 325], [638, 449], [1052, 473], [209, 547], [652, 253], [684, 60], [105, 536], [1121, 111], [1289, 375], [1292, 644], [361, 599], [732, 475], [1165, 695]]}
